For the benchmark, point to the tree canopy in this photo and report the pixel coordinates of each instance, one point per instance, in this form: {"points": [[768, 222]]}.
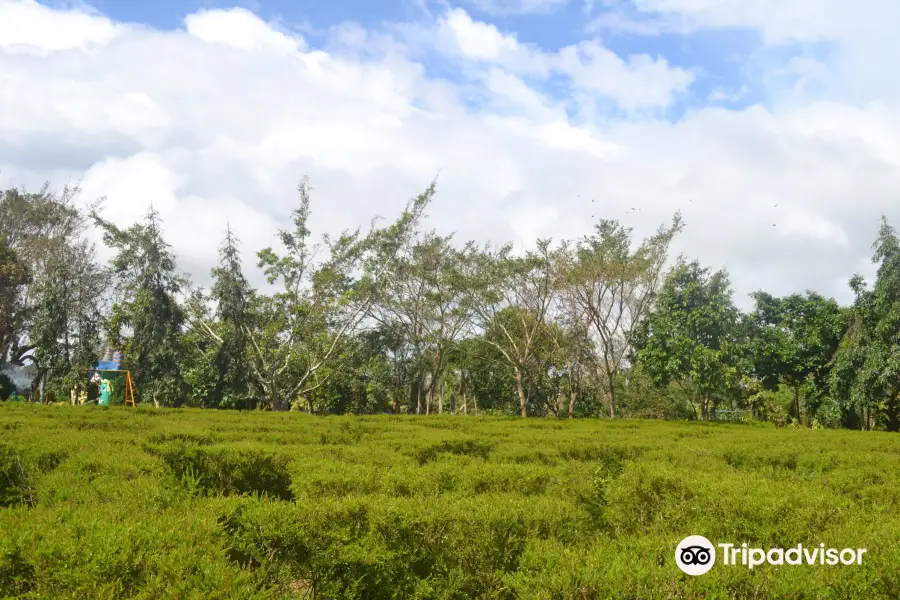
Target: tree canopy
{"points": [[396, 317]]}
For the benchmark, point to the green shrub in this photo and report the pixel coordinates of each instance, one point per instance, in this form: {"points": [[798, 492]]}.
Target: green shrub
{"points": [[227, 470], [143, 503]]}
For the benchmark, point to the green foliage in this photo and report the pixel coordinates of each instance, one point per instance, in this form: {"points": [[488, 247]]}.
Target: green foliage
{"points": [[793, 341], [6, 387], [321, 300], [13, 278], [866, 375], [232, 294], [147, 286], [50, 288], [226, 470], [397, 319], [14, 481], [141, 503], [692, 334], [610, 287]]}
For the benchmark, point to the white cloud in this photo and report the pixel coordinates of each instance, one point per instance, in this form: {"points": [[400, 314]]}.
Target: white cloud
{"points": [[26, 25], [639, 82], [241, 29], [517, 7], [210, 131], [620, 22], [478, 40], [457, 34], [782, 20], [859, 37]]}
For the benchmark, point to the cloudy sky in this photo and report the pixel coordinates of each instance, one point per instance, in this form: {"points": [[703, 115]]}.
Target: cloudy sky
{"points": [[773, 125]]}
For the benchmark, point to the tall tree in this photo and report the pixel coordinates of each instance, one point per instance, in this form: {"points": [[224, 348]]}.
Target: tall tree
{"points": [[794, 340], [424, 301], [866, 374], [229, 329], [51, 310], [692, 335], [301, 327], [511, 300], [146, 305], [13, 279], [614, 286], [573, 341]]}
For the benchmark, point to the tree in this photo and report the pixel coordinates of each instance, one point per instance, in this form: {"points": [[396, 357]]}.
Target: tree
{"points": [[613, 287], [794, 340], [866, 372], [511, 299], [389, 363], [484, 378], [147, 286], [572, 342], [300, 328], [52, 293], [424, 302], [692, 334], [13, 279], [227, 332]]}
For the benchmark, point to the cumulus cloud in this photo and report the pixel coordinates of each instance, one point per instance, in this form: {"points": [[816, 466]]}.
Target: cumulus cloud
{"points": [[638, 82], [241, 29], [219, 120], [29, 26], [860, 38]]}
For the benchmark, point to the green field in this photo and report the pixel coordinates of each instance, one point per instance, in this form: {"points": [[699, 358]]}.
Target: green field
{"points": [[124, 503]]}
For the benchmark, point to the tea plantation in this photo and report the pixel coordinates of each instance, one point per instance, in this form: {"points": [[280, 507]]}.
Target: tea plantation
{"points": [[142, 503]]}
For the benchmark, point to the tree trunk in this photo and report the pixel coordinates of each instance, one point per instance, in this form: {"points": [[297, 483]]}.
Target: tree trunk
{"points": [[573, 396], [417, 394], [892, 415], [441, 399], [797, 403], [521, 391], [612, 395]]}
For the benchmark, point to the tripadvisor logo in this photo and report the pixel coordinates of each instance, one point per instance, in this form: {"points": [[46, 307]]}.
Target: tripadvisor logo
{"points": [[696, 555]]}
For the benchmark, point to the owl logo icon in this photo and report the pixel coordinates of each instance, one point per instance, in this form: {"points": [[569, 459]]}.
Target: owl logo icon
{"points": [[695, 555]]}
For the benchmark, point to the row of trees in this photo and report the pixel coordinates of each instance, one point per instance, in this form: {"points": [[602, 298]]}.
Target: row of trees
{"points": [[397, 317]]}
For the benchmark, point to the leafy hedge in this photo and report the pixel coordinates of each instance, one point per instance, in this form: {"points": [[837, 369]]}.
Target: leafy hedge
{"points": [[139, 503]]}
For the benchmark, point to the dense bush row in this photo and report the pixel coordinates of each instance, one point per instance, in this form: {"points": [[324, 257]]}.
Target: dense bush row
{"points": [[123, 503]]}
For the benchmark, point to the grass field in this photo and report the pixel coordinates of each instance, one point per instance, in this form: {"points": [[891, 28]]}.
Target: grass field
{"points": [[137, 503]]}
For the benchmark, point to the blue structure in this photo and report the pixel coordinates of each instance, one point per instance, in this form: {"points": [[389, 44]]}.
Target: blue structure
{"points": [[110, 362]]}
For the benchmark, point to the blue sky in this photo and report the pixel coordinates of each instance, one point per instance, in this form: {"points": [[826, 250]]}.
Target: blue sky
{"points": [[721, 58]]}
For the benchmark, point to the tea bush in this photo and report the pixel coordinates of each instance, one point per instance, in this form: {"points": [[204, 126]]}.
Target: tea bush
{"points": [[141, 503]]}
